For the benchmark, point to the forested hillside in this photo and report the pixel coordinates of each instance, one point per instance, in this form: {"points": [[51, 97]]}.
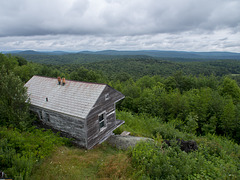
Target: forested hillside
{"points": [[73, 58], [197, 101], [108, 54], [115, 66], [140, 67]]}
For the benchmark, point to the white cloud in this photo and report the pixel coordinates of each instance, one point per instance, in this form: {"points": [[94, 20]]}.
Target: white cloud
{"points": [[187, 41], [120, 24]]}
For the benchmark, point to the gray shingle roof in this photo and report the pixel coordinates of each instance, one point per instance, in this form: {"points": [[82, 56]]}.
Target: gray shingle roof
{"points": [[75, 98]]}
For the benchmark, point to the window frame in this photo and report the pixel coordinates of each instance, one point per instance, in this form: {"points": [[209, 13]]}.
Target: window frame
{"points": [[47, 117], [103, 120], [107, 97], [40, 115]]}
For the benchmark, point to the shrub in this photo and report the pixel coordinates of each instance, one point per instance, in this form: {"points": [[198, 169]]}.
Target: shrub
{"points": [[139, 125], [159, 161], [13, 96], [20, 151], [168, 131]]}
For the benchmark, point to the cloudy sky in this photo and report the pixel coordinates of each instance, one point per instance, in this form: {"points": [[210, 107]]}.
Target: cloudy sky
{"points": [[76, 25]]}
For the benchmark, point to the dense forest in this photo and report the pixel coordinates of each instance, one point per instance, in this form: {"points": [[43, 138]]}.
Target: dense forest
{"points": [[165, 100], [119, 64], [89, 56]]}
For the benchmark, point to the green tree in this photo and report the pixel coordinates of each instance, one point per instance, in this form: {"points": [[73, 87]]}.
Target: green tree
{"points": [[14, 109], [83, 74], [230, 88], [21, 61], [228, 118], [145, 82], [8, 61], [24, 72], [210, 126], [121, 76], [191, 123]]}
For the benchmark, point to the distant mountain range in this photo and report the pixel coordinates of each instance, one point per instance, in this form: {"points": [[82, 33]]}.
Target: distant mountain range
{"points": [[32, 52], [172, 54], [152, 53]]}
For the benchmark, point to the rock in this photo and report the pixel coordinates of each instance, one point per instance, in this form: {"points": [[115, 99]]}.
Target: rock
{"points": [[125, 142], [125, 133]]}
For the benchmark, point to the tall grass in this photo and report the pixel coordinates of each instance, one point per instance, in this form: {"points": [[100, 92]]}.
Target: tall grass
{"points": [[138, 125], [102, 162], [20, 151]]}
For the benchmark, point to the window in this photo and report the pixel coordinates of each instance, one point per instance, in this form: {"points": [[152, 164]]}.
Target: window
{"points": [[106, 97], [40, 115], [47, 117], [102, 121]]}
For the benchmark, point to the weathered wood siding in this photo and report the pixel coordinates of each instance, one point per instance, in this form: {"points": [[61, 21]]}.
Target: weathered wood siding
{"points": [[73, 126], [94, 135]]}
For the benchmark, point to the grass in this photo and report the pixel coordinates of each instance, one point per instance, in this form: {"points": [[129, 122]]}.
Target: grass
{"points": [[102, 162], [216, 157], [138, 125]]}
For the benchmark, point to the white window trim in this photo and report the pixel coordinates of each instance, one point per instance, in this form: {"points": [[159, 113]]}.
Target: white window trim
{"points": [[113, 112]]}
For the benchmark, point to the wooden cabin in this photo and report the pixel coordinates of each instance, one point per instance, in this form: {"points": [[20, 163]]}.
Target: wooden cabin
{"points": [[85, 111]]}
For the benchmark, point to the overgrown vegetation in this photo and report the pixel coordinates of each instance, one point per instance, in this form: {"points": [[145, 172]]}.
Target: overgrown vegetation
{"points": [[209, 162], [198, 105], [102, 162], [216, 157], [20, 151], [21, 145]]}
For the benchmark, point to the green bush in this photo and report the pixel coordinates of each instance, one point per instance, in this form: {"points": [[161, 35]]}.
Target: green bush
{"points": [[216, 157], [14, 110], [168, 131], [137, 124], [20, 151], [158, 161]]}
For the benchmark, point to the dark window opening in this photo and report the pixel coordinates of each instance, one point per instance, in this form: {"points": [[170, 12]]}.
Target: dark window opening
{"points": [[101, 120], [47, 117], [106, 97], [40, 115]]}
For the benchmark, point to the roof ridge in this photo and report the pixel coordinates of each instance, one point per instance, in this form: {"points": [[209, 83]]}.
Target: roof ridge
{"points": [[72, 80]]}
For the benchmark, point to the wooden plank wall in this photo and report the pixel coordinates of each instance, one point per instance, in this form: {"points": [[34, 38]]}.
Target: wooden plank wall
{"points": [[94, 135], [64, 123]]}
